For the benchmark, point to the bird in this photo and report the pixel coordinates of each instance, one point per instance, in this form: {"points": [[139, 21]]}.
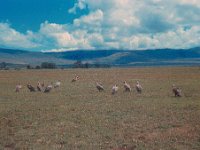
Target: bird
{"points": [[18, 87], [99, 87], [115, 89], [57, 84], [42, 84], [75, 79], [48, 88], [39, 87], [138, 87], [127, 87], [31, 88], [176, 91]]}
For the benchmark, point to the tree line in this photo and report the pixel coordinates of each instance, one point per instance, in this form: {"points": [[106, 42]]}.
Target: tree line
{"points": [[44, 65], [80, 64], [77, 64], [50, 65]]}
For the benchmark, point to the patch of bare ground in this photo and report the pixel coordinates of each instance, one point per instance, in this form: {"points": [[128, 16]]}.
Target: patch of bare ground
{"points": [[186, 131]]}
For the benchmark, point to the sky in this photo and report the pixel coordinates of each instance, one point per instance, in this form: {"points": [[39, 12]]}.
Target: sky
{"points": [[65, 25]]}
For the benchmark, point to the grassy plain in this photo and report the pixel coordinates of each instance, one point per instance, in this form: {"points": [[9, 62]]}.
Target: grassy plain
{"points": [[77, 116]]}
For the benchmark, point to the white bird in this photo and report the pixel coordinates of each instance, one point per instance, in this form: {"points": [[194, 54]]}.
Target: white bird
{"points": [[127, 87], [114, 89], [138, 87], [176, 91], [18, 87], [99, 87], [57, 84]]}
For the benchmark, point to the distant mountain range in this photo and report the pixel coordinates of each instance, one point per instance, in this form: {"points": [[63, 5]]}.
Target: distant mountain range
{"points": [[111, 57]]}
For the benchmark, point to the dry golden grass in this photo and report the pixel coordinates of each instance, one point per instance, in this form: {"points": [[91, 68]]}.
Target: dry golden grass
{"points": [[77, 116]]}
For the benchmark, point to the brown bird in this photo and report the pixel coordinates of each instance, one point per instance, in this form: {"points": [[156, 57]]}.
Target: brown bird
{"points": [[48, 88], [138, 87], [31, 88], [39, 87], [75, 79], [99, 87], [127, 87], [176, 91], [42, 84]]}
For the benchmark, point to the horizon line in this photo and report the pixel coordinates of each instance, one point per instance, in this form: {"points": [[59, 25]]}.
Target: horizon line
{"points": [[74, 50]]}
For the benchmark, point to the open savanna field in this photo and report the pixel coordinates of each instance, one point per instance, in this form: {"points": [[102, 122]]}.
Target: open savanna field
{"points": [[77, 116]]}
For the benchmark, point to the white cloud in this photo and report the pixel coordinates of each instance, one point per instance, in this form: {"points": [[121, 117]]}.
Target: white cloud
{"points": [[190, 2], [9, 37], [133, 24], [96, 40], [180, 38], [57, 34], [59, 50], [91, 22], [79, 5]]}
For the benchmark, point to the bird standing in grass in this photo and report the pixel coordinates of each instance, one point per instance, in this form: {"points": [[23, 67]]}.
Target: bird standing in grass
{"points": [[57, 84], [138, 87], [75, 79], [99, 87], [31, 88], [48, 88], [127, 87], [18, 87], [176, 91], [114, 89], [39, 87], [42, 84]]}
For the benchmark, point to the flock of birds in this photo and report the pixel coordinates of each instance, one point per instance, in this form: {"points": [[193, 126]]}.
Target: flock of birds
{"points": [[115, 88], [40, 87], [46, 89]]}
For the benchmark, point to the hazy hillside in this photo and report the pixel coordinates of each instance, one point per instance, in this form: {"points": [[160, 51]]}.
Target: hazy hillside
{"points": [[112, 57], [26, 57]]}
